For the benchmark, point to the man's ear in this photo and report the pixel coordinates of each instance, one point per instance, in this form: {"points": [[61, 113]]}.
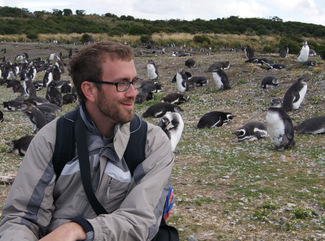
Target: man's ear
{"points": [[89, 90]]}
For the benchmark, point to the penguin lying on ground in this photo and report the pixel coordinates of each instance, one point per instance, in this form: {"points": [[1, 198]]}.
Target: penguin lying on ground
{"points": [[172, 124], [190, 63], [159, 109], [20, 145], [214, 119], [251, 131], [143, 96], [269, 81], [220, 65], [149, 86], [314, 125], [295, 95], [279, 126], [175, 98]]}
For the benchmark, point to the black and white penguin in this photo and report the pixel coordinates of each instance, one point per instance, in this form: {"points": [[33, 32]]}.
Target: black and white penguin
{"points": [[143, 96], [220, 65], [269, 81], [35, 116], [29, 88], [251, 131], [304, 53], [190, 63], [221, 79], [175, 98], [159, 109], [172, 124], [279, 126], [295, 95], [284, 51], [53, 95], [276, 66], [1, 116], [152, 70], [13, 105], [47, 78], [249, 53], [214, 119], [314, 125], [20, 145], [312, 52], [182, 81], [150, 86], [309, 63], [188, 74], [197, 81]]}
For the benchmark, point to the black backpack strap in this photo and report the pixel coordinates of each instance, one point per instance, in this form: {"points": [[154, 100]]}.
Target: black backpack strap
{"points": [[83, 155], [64, 149], [134, 155]]}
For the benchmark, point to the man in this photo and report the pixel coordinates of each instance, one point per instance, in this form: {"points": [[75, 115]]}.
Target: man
{"points": [[39, 207]]}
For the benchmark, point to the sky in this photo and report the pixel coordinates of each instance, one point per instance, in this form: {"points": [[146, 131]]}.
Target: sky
{"points": [[305, 11]]}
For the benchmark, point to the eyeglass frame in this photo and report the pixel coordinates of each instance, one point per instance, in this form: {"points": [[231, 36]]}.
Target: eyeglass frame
{"points": [[117, 83]]}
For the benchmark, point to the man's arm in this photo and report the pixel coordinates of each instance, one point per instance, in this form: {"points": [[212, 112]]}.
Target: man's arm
{"points": [[66, 232]]}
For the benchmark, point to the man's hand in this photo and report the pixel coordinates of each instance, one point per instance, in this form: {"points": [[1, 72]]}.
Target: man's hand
{"points": [[66, 232]]}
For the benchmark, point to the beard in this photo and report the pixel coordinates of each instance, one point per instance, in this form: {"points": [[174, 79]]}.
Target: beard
{"points": [[115, 110]]}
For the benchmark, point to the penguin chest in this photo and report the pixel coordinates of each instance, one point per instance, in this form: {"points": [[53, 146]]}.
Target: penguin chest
{"points": [[296, 102], [275, 127], [181, 83], [151, 72], [217, 79]]}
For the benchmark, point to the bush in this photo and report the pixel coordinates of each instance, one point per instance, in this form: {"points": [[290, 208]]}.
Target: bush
{"points": [[201, 39]]}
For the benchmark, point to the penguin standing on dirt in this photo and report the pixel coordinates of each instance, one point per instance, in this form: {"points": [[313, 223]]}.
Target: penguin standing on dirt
{"points": [[314, 125], [249, 53], [279, 126], [304, 53], [284, 51], [221, 79], [182, 81], [172, 124], [251, 131], [295, 95], [152, 70]]}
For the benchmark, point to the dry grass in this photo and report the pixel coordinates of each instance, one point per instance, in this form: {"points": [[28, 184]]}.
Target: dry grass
{"points": [[227, 190]]}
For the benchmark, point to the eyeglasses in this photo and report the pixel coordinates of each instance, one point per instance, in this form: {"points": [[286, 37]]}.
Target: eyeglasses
{"points": [[120, 86]]}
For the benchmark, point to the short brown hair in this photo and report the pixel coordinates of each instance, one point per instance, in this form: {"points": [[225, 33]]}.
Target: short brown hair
{"points": [[87, 64]]}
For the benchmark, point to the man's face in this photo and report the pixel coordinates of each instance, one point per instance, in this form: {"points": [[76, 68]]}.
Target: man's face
{"points": [[117, 106]]}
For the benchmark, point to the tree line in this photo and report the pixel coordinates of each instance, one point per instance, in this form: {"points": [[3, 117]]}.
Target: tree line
{"points": [[21, 21]]}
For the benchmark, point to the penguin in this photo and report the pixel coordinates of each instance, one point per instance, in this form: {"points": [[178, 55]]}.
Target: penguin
{"points": [[53, 95], [20, 145], [149, 86], [197, 81], [284, 51], [29, 88], [190, 63], [276, 66], [249, 53], [175, 98], [312, 52], [309, 63], [152, 70], [47, 78], [69, 98], [269, 81], [172, 124], [214, 119], [295, 95], [251, 131], [159, 109], [35, 116], [188, 74], [13, 105], [314, 125], [304, 53], [279, 126], [182, 81], [1, 116], [220, 65], [143, 96], [221, 79]]}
